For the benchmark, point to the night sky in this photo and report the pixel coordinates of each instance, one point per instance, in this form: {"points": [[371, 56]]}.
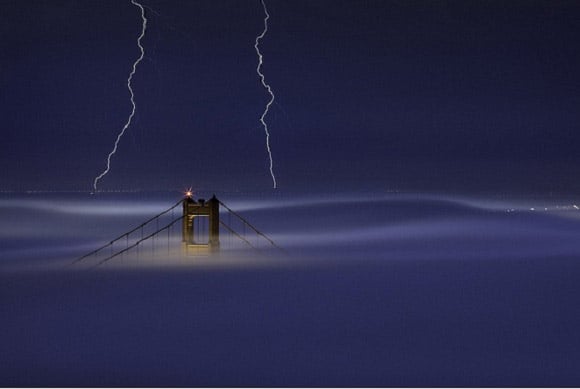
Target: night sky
{"points": [[439, 246], [459, 96]]}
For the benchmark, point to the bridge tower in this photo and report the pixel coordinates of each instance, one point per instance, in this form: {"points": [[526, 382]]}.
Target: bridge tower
{"points": [[208, 239]]}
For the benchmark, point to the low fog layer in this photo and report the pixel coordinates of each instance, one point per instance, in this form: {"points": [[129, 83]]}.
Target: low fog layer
{"points": [[39, 230], [401, 290]]}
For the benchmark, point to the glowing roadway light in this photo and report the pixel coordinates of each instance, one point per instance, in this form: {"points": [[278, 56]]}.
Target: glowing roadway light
{"points": [[268, 88], [134, 107]]}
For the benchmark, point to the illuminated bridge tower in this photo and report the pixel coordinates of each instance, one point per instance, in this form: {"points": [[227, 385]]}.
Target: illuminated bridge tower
{"points": [[201, 225]]}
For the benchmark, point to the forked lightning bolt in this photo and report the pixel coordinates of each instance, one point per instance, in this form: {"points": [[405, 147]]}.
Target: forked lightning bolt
{"points": [[268, 88], [134, 107]]}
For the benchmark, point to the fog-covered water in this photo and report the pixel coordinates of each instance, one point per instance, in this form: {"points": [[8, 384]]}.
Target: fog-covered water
{"points": [[371, 289]]}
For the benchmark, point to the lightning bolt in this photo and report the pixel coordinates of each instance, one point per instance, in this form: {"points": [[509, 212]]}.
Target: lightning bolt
{"points": [[268, 88], [134, 107]]}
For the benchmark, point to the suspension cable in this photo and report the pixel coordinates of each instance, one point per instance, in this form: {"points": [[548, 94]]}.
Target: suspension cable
{"points": [[126, 234], [139, 241], [237, 235], [249, 225]]}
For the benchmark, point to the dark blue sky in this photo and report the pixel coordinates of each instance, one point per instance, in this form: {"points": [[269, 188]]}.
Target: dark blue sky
{"points": [[420, 95]]}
